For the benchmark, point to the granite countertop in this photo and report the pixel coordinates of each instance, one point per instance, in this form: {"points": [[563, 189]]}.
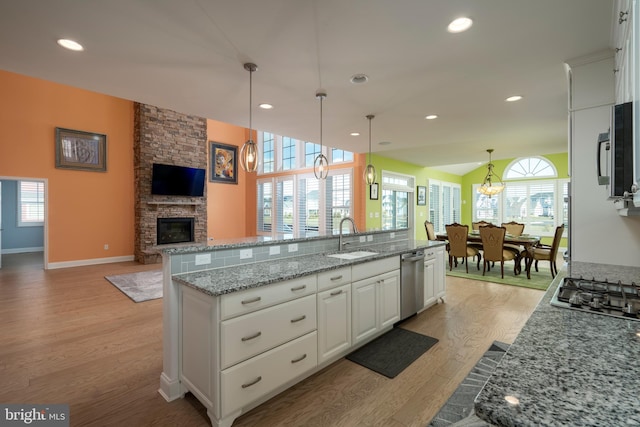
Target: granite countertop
{"points": [[568, 367], [225, 280]]}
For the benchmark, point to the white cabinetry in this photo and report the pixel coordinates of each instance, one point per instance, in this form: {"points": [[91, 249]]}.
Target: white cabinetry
{"points": [[434, 275], [334, 322], [376, 299]]}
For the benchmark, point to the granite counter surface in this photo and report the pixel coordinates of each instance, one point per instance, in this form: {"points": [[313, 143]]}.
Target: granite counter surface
{"points": [[569, 368], [221, 281]]}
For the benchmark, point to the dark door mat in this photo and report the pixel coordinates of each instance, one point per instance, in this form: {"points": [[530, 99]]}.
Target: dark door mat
{"points": [[392, 352], [458, 410]]}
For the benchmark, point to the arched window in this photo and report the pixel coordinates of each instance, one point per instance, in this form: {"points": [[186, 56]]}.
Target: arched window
{"points": [[530, 167]]}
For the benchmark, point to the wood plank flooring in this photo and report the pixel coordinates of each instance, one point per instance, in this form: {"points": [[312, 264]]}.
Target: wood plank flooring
{"points": [[69, 336]]}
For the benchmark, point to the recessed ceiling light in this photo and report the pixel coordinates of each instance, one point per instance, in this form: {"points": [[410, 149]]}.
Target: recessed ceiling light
{"points": [[355, 134], [431, 117], [512, 400], [384, 142], [359, 79], [459, 25], [71, 45], [265, 106], [514, 98]]}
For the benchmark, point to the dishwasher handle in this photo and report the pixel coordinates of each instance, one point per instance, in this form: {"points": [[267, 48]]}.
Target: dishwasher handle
{"points": [[413, 257]]}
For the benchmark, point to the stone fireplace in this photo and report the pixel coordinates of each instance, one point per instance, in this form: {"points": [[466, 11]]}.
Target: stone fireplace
{"points": [[174, 230], [168, 137]]}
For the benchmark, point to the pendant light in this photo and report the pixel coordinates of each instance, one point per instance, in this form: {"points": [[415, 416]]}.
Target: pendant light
{"points": [[249, 151], [370, 170], [489, 186], [321, 164]]}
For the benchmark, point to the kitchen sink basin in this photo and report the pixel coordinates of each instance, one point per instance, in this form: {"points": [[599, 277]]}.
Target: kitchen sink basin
{"points": [[353, 255]]}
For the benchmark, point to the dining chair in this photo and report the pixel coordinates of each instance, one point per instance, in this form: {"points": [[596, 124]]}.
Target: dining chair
{"points": [[457, 234], [545, 253], [476, 225], [493, 249], [431, 232], [515, 229]]}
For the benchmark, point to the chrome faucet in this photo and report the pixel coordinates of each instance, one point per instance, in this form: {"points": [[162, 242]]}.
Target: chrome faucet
{"points": [[353, 225]]}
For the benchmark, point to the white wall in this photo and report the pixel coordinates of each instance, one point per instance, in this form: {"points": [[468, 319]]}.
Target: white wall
{"points": [[598, 233]]}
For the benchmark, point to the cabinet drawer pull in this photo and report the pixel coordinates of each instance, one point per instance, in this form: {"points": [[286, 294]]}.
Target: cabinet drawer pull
{"points": [[299, 359], [334, 293], [249, 301], [298, 319], [249, 384], [256, 335], [336, 277], [299, 288]]}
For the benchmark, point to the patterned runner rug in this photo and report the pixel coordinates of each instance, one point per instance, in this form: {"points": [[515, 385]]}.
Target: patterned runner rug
{"points": [[142, 286]]}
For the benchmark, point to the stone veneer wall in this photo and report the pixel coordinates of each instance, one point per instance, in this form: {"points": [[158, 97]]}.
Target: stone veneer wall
{"points": [[165, 136]]}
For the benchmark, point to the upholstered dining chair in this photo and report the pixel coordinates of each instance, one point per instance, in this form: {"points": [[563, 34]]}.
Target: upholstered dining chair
{"points": [[493, 249], [457, 235], [476, 225], [431, 231], [545, 253], [515, 229]]}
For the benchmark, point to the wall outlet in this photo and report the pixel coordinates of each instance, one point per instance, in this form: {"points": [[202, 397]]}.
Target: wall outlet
{"points": [[369, 238], [246, 253], [370, 214], [274, 250], [377, 214], [392, 235], [293, 247], [363, 239], [106, 246], [202, 259]]}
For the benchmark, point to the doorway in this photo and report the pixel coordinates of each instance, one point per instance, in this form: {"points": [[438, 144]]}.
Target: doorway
{"points": [[23, 223]]}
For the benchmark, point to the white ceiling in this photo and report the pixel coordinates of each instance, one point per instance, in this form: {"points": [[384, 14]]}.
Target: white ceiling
{"points": [[188, 55]]}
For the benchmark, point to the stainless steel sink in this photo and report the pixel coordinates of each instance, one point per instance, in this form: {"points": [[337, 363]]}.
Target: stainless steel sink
{"points": [[353, 255]]}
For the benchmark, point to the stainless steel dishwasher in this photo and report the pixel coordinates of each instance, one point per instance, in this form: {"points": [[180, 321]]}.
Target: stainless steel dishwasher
{"points": [[411, 283]]}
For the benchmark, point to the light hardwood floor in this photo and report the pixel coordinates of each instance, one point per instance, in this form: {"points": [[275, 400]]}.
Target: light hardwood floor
{"points": [[69, 336]]}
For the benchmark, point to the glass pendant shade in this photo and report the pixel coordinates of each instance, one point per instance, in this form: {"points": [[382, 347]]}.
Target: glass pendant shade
{"points": [[321, 163], [492, 183], [370, 170], [249, 151]]}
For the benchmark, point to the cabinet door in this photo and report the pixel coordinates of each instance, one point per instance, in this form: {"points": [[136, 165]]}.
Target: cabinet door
{"points": [[389, 299], [334, 322], [364, 309], [429, 282], [440, 272]]}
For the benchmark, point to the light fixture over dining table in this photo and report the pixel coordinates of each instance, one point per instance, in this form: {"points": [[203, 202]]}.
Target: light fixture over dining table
{"points": [[492, 183], [249, 150]]}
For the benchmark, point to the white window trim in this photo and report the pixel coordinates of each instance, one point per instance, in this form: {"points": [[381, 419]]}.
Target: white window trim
{"points": [[519, 159], [409, 188], [21, 223]]}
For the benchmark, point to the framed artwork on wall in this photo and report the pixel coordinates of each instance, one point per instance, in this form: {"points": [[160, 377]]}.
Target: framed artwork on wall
{"points": [[81, 150], [422, 195], [373, 191], [223, 161]]}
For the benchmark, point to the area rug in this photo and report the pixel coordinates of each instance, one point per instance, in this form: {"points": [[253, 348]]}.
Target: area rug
{"points": [[539, 279], [458, 410], [391, 353], [142, 286]]}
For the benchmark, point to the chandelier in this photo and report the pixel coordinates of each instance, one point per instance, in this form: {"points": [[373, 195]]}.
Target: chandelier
{"points": [[321, 163], [370, 170], [492, 183], [249, 151]]}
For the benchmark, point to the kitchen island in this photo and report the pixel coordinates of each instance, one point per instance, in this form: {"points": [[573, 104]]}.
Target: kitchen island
{"points": [[569, 367]]}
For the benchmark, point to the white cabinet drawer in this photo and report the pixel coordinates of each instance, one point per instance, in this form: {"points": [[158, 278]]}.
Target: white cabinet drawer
{"points": [[374, 268], [332, 278], [250, 380], [237, 303], [246, 336]]}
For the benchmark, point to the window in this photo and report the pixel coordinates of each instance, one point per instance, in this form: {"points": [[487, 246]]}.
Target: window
{"points": [[311, 151], [444, 204], [265, 204], [30, 203], [268, 150], [338, 192], [397, 197], [341, 156], [541, 205], [288, 153]]}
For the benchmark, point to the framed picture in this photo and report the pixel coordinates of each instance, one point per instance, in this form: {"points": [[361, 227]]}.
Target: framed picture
{"points": [[80, 150], [422, 195], [373, 191], [224, 161]]}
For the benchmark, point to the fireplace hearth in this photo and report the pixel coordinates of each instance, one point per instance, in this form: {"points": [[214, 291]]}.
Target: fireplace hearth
{"points": [[175, 230]]}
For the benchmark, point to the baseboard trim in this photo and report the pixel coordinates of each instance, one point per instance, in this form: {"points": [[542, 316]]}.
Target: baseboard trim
{"points": [[22, 250], [93, 261]]}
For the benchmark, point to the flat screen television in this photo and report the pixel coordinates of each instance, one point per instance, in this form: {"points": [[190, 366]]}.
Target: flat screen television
{"points": [[170, 180]]}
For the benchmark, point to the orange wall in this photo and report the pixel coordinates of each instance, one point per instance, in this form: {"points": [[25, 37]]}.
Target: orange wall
{"points": [[231, 208], [86, 210]]}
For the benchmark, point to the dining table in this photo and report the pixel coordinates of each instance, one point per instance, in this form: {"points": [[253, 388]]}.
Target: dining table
{"points": [[524, 240]]}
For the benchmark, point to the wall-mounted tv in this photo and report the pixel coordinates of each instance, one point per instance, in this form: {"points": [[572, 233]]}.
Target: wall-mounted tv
{"points": [[170, 180]]}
